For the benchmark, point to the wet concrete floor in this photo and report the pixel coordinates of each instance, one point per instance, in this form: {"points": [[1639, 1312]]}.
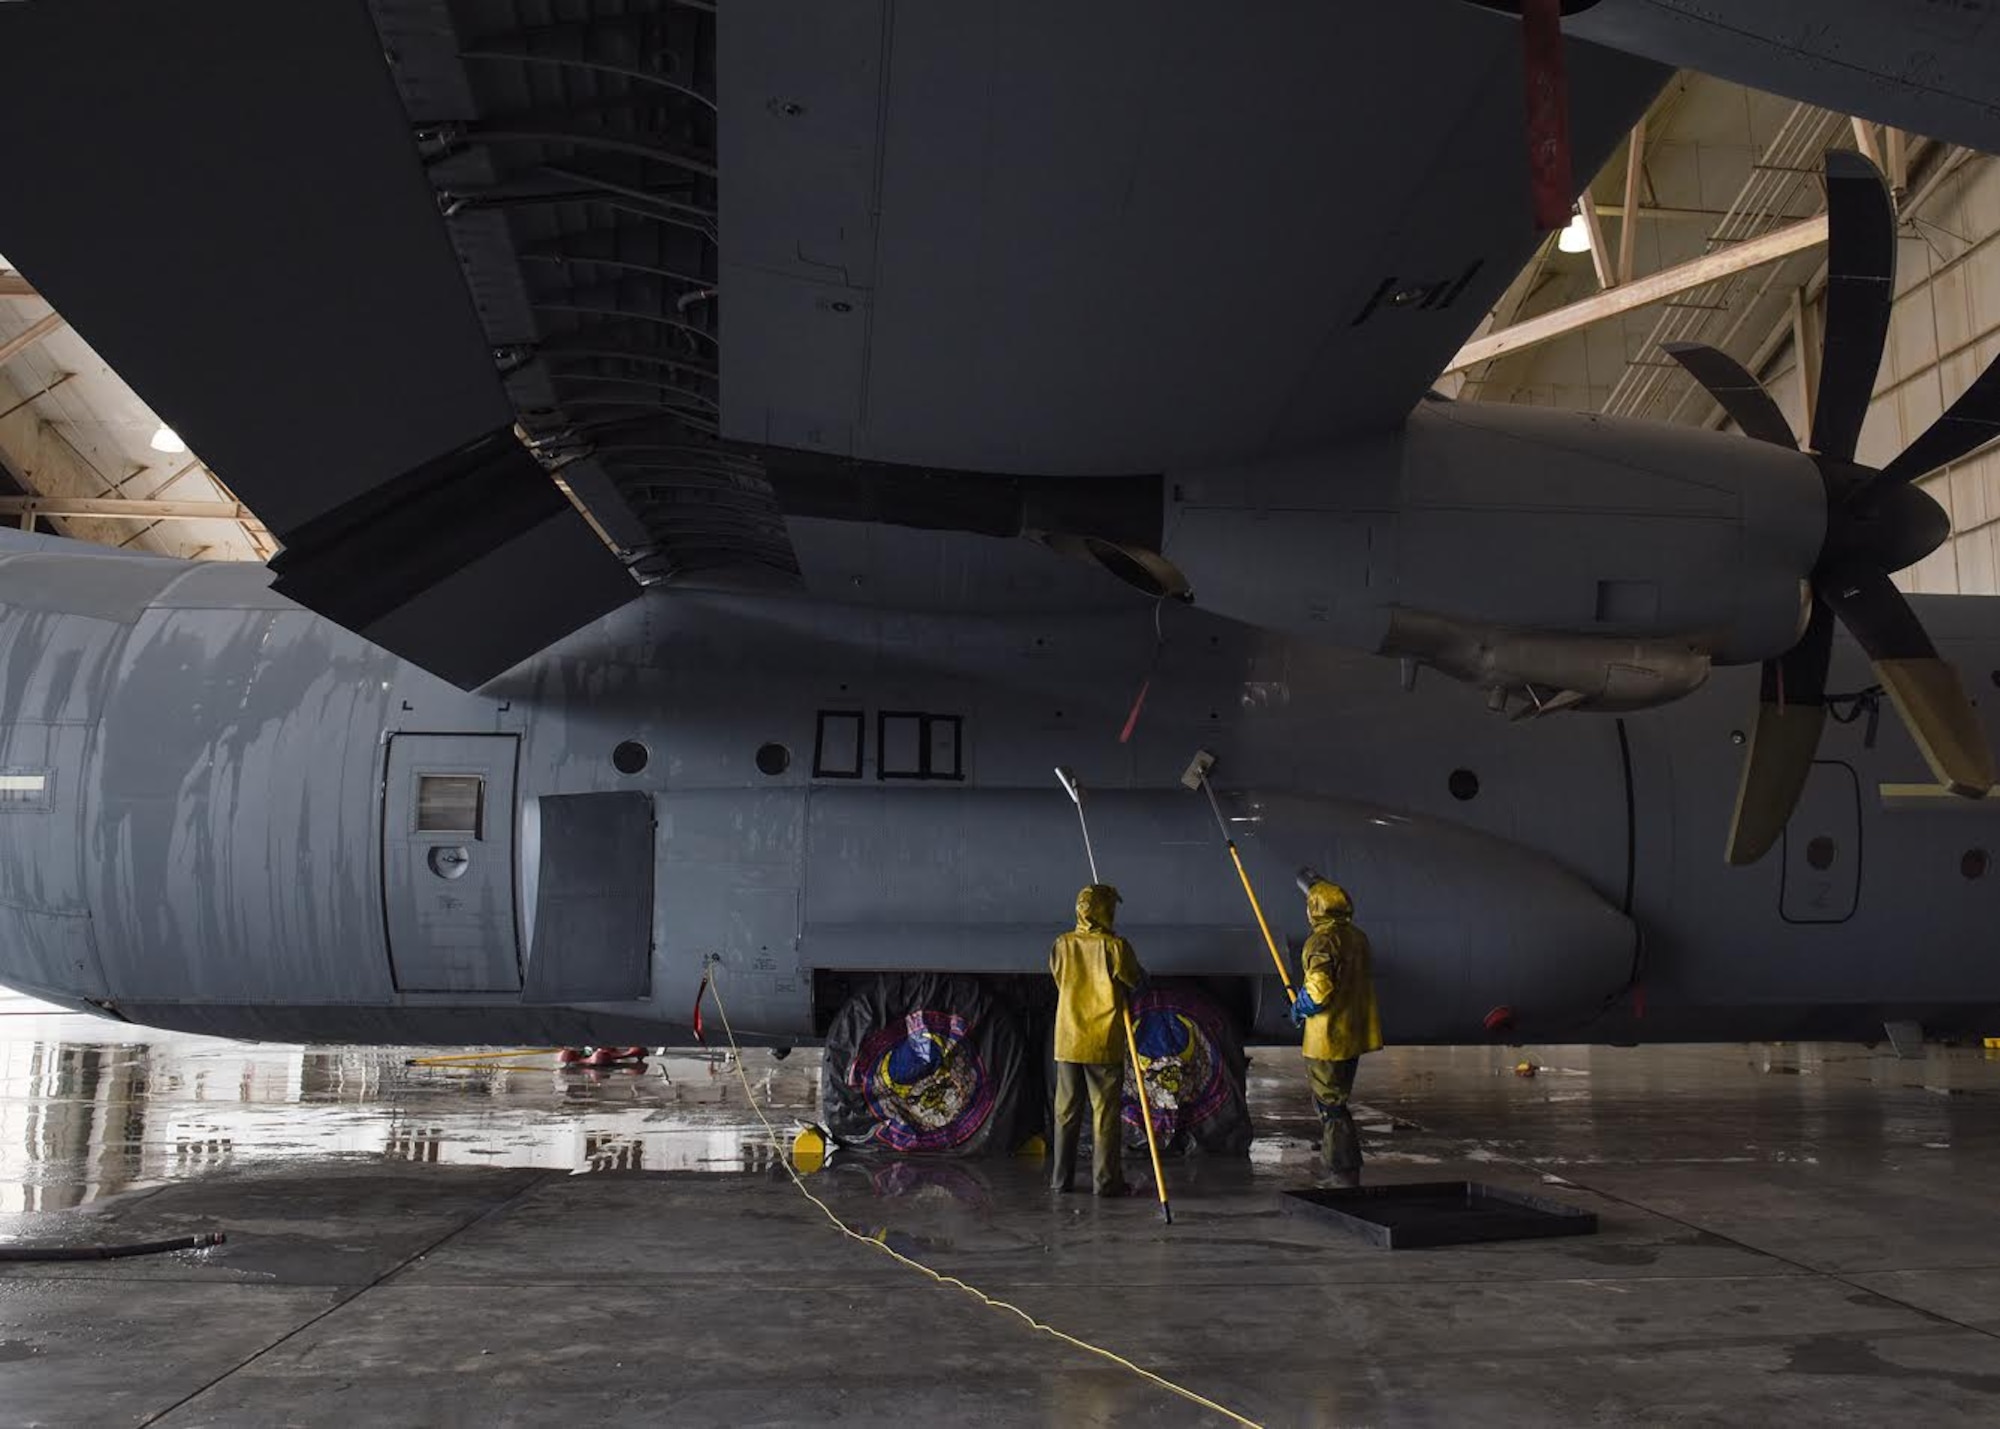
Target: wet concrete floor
{"points": [[1801, 1232]]}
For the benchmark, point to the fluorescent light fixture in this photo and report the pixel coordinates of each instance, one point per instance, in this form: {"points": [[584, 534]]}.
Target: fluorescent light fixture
{"points": [[166, 439], [1575, 238]]}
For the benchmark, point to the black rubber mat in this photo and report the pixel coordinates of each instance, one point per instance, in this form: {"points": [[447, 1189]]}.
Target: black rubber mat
{"points": [[1433, 1213]]}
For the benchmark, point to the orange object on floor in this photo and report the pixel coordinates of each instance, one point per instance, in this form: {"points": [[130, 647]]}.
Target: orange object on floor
{"points": [[610, 1056]]}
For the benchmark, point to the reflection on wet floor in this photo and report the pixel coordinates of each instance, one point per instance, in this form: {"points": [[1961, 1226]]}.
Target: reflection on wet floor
{"points": [[91, 1108], [1785, 1232]]}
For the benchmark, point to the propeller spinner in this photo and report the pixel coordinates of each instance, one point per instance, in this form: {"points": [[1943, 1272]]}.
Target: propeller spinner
{"points": [[1877, 523]]}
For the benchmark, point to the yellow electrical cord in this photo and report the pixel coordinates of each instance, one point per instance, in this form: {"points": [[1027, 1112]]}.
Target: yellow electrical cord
{"points": [[845, 1229]]}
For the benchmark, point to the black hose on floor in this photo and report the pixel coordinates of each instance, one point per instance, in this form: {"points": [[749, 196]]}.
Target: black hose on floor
{"points": [[109, 1252]]}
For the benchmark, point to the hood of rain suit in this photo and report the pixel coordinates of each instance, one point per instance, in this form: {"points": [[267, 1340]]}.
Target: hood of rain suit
{"points": [[1327, 904], [1096, 908]]}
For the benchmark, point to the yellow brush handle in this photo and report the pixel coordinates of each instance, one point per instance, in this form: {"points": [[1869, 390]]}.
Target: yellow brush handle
{"points": [[1146, 1112], [1284, 975]]}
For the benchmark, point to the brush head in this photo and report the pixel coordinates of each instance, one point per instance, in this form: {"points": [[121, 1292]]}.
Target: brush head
{"points": [[1067, 779], [1198, 768]]}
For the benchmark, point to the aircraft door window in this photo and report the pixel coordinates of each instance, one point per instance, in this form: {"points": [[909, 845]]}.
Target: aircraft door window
{"points": [[21, 791], [920, 746], [450, 804], [1823, 848]]}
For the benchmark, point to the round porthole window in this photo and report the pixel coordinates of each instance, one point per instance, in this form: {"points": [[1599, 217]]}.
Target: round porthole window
{"points": [[629, 757], [1975, 863], [774, 759], [1464, 785], [1820, 852]]}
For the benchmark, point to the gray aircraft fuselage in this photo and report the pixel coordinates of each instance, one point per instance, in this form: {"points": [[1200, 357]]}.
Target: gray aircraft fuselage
{"points": [[222, 813]]}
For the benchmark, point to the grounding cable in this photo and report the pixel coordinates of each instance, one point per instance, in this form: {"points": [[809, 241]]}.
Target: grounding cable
{"points": [[981, 1296]]}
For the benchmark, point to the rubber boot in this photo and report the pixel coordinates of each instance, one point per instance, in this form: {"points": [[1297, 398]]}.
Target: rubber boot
{"points": [[1340, 1149]]}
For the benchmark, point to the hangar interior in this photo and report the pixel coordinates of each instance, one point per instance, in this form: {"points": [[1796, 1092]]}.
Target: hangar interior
{"points": [[487, 1235]]}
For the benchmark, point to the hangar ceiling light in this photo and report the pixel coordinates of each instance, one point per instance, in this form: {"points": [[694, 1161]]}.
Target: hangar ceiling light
{"points": [[166, 439], [1575, 237]]}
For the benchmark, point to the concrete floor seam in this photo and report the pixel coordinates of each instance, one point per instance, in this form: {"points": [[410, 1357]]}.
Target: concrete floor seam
{"points": [[1811, 1270], [1557, 1353], [344, 1302]]}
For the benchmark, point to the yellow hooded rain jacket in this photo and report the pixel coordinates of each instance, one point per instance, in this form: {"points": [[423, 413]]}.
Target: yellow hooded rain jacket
{"points": [[1339, 976], [1092, 967]]}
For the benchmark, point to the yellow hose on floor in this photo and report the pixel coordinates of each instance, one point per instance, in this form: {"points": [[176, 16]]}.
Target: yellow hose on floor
{"points": [[981, 1296], [454, 1058]]}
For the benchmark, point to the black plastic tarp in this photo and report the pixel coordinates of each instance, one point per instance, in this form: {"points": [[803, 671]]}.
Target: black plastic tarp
{"points": [[927, 1064], [1195, 1068]]}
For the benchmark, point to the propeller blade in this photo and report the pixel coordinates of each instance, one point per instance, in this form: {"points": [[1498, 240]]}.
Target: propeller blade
{"points": [[1870, 606], [1969, 424], [1740, 394], [1860, 281], [1925, 688], [1931, 698], [1791, 711]]}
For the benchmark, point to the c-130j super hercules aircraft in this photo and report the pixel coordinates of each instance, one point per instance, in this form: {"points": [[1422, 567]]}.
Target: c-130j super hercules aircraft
{"points": [[876, 344]]}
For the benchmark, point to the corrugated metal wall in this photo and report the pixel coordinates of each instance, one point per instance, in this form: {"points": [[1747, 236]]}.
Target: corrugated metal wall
{"points": [[1943, 331]]}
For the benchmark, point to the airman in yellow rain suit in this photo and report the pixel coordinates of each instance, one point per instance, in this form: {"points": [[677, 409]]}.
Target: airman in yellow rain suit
{"points": [[1094, 969], [1336, 1005]]}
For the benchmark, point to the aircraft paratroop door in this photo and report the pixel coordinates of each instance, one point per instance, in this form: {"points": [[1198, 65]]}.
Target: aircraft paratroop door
{"points": [[1822, 848], [448, 863]]}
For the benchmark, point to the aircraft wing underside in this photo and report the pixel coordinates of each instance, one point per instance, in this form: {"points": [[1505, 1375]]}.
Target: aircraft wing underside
{"points": [[1119, 238], [914, 264]]}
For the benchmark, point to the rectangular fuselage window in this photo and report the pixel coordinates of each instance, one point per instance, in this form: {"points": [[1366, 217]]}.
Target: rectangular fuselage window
{"points": [[24, 790], [450, 804], [837, 745], [919, 746]]}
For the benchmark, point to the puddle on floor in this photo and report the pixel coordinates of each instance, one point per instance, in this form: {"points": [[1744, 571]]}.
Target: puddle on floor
{"points": [[91, 1108]]}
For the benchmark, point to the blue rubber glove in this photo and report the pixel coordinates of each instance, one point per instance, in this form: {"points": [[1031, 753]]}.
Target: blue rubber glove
{"points": [[1303, 1007]]}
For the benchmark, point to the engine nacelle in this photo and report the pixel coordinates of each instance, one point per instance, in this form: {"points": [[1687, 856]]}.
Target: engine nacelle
{"points": [[1527, 673], [1521, 549]]}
